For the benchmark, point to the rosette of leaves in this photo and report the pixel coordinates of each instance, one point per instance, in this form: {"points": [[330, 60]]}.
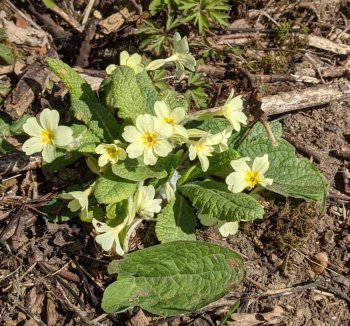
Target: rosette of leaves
{"points": [[154, 277]]}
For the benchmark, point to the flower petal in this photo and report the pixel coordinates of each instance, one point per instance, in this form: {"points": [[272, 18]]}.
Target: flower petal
{"points": [[123, 58], [32, 145], [145, 123], [48, 153], [74, 205], [135, 149], [204, 161], [156, 64], [32, 127], [192, 152], [103, 160], [161, 109], [164, 130], [134, 60], [49, 119], [266, 182], [106, 240], [240, 165], [149, 158], [261, 164], [131, 134], [178, 114], [100, 149], [235, 182], [63, 136], [100, 227], [228, 228], [163, 148]]}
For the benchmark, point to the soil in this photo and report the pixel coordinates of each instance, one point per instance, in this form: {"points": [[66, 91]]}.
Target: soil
{"points": [[54, 273]]}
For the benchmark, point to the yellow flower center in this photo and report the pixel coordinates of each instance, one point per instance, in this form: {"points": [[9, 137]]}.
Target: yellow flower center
{"points": [[199, 148], [47, 136], [252, 178], [169, 120], [149, 139], [112, 152], [227, 110]]}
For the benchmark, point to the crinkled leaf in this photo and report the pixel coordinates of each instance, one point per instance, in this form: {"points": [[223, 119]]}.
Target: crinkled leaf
{"points": [[173, 278], [174, 99], [110, 188], [137, 171], [176, 221], [85, 104], [85, 141], [213, 198], [214, 125], [148, 91], [98, 119], [125, 94], [118, 210], [219, 165], [291, 176]]}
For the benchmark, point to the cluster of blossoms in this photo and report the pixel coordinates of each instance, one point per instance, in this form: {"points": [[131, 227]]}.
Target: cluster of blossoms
{"points": [[151, 137]]}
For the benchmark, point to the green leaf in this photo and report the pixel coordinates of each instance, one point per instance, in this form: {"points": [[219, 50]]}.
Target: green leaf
{"points": [[174, 99], [137, 171], [148, 91], [62, 159], [85, 141], [125, 94], [176, 221], [4, 128], [58, 212], [214, 125], [213, 198], [219, 165], [118, 210], [173, 278], [259, 131], [85, 104], [6, 54], [5, 146], [110, 188], [291, 176], [17, 126]]}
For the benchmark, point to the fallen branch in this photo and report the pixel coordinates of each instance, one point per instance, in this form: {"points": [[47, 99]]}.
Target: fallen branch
{"points": [[306, 98]]}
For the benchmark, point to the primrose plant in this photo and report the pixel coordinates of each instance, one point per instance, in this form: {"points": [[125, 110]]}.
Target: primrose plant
{"points": [[156, 162]]}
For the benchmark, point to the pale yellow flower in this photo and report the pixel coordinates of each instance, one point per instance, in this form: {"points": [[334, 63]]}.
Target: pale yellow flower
{"points": [[181, 57], [133, 61], [246, 176], [224, 137], [149, 137], [232, 110], [145, 204], [109, 236], [79, 200], [203, 148], [225, 228], [171, 117], [110, 153], [46, 134]]}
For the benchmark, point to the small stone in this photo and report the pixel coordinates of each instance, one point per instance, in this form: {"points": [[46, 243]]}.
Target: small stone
{"points": [[346, 239], [329, 236]]}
